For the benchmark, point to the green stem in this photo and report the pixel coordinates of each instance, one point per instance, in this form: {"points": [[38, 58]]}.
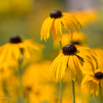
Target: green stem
{"points": [[61, 81], [20, 81], [73, 91], [100, 91], [60, 48]]}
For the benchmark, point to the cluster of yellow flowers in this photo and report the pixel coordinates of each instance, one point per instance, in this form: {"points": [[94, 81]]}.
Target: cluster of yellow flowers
{"points": [[73, 56], [76, 62]]}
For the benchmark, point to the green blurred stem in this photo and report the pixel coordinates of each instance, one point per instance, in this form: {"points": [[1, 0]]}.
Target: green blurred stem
{"points": [[100, 91], [20, 80], [73, 91], [61, 81], [60, 48]]}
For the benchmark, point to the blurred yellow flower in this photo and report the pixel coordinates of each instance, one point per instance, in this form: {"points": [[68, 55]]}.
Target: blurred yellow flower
{"points": [[78, 38], [73, 58], [99, 52], [38, 93], [99, 56], [38, 87], [37, 71], [92, 80], [13, 51], [85, 16], [55, 22], [9, 85]]}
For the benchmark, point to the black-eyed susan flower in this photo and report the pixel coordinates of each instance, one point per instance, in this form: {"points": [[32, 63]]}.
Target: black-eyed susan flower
{"points": [[85, 16], [55, 22], [36, 93], [99, 57], [33, 89], [78, 38], [99, 52], [92, 81], [16, 48], [72, 57]]}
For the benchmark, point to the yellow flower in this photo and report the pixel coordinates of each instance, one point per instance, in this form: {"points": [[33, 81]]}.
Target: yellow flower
{"points": [[38, 73], [41, 89], [38, 86], [38, 93], [99, 53], [92, 80], [99, 57], [78, 38], [9, 85], [85, 16], [55, 22], [16, 49], [73, 58]]}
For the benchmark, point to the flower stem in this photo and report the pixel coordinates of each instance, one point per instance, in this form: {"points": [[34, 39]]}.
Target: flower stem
{"points": [[60, 48], [19, 75], [100, 93], [61, 81], [73, 91]]}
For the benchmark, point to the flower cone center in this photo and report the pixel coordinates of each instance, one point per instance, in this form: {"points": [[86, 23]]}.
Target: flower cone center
{"points": [[75, 42], [99, 75], [15, 39], [55, 14], [69, 49]]}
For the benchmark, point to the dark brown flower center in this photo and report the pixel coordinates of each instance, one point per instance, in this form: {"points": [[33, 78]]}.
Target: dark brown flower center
{"points": [[55, 14], [75, 42], [69, 49], [28, 88], [15, 39], [37, 93], [99, 75]]}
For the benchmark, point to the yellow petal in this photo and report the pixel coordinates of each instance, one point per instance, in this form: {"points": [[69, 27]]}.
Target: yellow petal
{"points": [[77, 67], [96, 89], [91, 89], [72, 17], [53, 32], [71, 67], [58, 28], [64, 66], [72, 23], [101, 82], [46, 28], [84, 81], [55, 67], [64, 21]]}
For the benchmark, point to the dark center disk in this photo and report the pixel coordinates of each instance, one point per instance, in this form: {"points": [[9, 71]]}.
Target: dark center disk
{"points": [[75, 42], [15, 39], [55, 14], [99, 75], [69, 49], [28, 88]]}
